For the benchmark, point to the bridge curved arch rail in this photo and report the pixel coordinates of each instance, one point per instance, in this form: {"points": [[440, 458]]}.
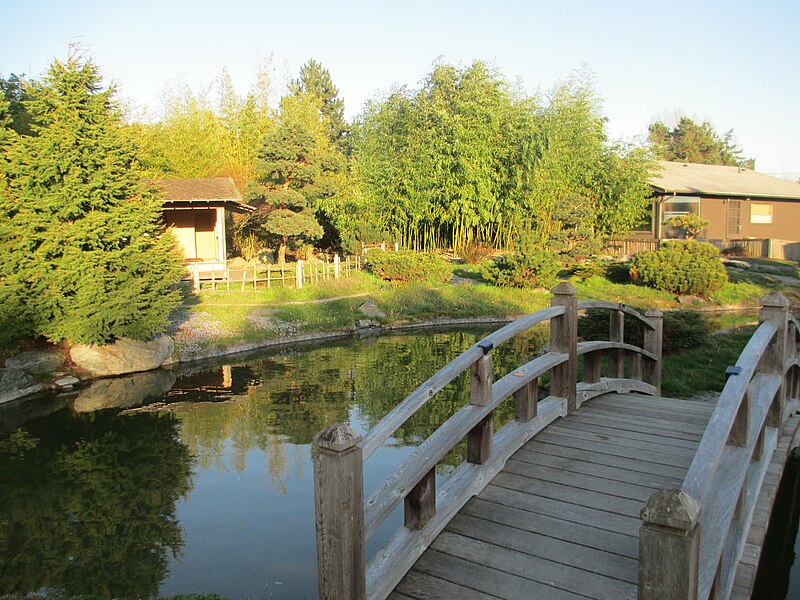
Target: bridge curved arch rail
{"points": [[345, 519]]}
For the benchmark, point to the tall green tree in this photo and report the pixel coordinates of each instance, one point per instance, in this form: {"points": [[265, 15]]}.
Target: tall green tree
{"points": [[84, 254], [696, 143], [316, 80]]}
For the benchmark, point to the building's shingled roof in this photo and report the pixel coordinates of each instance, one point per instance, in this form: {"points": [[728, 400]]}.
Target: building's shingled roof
{"points": [[716, 180], [209, 188]]}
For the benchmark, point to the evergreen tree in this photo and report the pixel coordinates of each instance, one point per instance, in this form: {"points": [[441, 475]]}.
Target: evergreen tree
{"points": [[316, 80], [84, 255], [696, 143], [289, 169]]}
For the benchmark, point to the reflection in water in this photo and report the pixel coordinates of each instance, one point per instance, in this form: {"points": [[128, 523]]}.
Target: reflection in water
{"points": [[209, 489], [87, 504]]}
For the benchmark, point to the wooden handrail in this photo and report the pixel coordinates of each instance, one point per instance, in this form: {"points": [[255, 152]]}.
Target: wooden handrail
{"points": [[712, 444], [426, 509], [587, 304], [416, 399], [691, 539]]}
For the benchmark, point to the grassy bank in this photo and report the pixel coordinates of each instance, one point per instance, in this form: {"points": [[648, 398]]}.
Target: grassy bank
{"points": [[223, 319]]}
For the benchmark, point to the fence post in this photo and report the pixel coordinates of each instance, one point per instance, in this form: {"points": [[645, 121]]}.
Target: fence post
{"points": [[336, 266], [339, 505], [564, 338], [195, 279], [775, 307], [299, 274], [653, 341], [669, 547]]}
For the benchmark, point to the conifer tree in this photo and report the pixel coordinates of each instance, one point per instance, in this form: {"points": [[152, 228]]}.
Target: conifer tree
{"points": [[84, 255], [316, 80]]}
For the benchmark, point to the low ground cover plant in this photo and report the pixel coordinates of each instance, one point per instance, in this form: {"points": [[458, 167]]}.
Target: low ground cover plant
{"points": [[681, 267]]}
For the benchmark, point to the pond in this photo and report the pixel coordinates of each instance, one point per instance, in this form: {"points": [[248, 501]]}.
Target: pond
{"points": [[199, 480]]}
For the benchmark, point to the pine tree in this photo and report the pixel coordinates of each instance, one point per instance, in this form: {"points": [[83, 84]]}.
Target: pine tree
{"points": [[316, 80], [84, 254]]}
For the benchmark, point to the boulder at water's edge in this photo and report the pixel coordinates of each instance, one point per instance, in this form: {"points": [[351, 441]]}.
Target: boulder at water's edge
{"points": [[123, 356]]}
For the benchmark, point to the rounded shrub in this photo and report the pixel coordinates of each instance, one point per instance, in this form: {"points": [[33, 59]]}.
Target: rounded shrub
{"points": [[408, 266], [681, 267], [534, 268]]}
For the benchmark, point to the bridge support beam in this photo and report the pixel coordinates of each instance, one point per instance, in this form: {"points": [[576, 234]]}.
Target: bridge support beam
{"points": [[775, 307], [669, 547]]}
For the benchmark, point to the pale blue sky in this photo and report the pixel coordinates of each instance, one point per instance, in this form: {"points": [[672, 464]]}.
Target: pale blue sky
{"points": [[734, 63]]}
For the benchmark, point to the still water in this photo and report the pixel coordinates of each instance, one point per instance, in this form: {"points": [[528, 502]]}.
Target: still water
{"points": [[199, 480]]}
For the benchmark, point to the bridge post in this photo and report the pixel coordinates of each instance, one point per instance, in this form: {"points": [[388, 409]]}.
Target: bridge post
{"points": [[339, 504], [669, 547], [653, 341], [616, 333], [564, 338], [775, 307]]}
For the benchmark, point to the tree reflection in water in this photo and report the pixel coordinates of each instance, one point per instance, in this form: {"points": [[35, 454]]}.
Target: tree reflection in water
{"points": [[87, 504]]}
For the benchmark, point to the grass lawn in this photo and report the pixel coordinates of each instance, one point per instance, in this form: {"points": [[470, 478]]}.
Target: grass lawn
{"points": [[228, 318]]}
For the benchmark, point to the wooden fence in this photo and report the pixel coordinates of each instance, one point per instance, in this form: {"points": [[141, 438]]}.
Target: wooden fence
{"points": [[255, 276], [345, 518], [755, 247]]}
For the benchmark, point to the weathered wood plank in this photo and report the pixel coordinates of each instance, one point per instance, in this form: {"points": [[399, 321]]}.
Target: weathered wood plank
{"points": [[663, 429], [585, 482], [568, 494], [569, 512], [648, 479], [586, 304], [549, 548], [559, 575], [623, 442], [659, 458], [674, 406], [656, 439], [592, 457], [420, 585], [480, 578], [585, 535]]}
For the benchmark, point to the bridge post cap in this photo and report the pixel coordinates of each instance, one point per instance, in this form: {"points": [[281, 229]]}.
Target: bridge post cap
{"points": [[671, 508], [654, 313], [775, 300], [565, 288], [338, 437]]}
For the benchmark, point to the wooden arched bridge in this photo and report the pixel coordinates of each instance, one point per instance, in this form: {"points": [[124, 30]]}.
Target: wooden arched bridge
{"points": [[602, 489]]}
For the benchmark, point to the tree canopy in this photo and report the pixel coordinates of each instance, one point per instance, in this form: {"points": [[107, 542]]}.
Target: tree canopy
{"points": [[696, 143], [84, 253]]}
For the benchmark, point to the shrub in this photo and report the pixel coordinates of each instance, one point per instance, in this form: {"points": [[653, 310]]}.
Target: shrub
{"points": [[534, 268], [735, 250], [690, 224], [683, 329], [474, 253], [408, 266], [680, 267], [586, 269]]}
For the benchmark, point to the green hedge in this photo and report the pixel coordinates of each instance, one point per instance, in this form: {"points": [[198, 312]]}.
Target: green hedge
{"points": [[408, 266], [681, 267]]}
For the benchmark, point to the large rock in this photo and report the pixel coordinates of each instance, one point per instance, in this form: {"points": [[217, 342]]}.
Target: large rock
{"points": [[370, 309], [38, 361], [123, 356], [124, 392], [13, 382]]}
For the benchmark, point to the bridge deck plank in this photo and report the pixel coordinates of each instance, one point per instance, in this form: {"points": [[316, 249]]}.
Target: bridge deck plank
{"points": [[561, 520]]}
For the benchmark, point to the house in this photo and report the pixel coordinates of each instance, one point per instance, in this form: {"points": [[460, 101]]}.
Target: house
{"points": [[740, 204], [196, 211]]}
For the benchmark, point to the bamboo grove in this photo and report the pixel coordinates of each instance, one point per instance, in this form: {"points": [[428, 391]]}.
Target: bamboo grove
{"points": [[464, 158]]}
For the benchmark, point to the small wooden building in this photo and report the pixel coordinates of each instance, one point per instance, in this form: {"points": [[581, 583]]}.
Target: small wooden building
{"points": [[196, 211], [739, 203]]}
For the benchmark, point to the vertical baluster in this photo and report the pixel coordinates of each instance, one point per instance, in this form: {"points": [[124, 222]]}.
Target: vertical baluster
{"points": [[653, 340], [775, 307], [616, 333], [479, 439], [564, 338]]}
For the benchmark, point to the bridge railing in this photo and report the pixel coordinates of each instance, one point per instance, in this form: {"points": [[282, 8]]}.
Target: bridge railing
{"points": [[692, 538], [345, 519]]}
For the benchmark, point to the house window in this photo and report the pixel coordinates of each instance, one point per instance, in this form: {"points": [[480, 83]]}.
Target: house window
{"points": [[680, 205], [760, 213]]}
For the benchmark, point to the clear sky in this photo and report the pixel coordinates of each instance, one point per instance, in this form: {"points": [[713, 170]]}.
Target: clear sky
{"points": [[734, 63]]}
